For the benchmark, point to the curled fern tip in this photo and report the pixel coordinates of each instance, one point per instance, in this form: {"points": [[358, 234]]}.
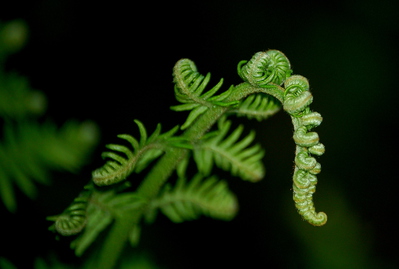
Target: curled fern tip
{"points": [[267, 67]]}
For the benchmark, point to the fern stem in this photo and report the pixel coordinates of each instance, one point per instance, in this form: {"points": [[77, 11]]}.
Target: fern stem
{"points": [[160, 173], [116, 241], [244, 89]]}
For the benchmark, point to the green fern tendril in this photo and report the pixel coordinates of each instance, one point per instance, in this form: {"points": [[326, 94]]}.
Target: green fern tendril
{"points": [[297, 101], [73, 220], [272, 67]]}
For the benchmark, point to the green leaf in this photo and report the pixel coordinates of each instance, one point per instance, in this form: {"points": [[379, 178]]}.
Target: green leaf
{"points": [[194, 114], [189, 200], [230, 154], [258, 106], [118, 168]]}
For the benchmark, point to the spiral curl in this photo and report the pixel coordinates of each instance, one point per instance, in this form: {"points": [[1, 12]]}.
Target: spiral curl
{"points": [[267, 67], [73, 220], [297, 99]]}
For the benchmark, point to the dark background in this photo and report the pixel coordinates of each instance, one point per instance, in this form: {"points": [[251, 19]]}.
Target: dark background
{"points": [[111, 62]]}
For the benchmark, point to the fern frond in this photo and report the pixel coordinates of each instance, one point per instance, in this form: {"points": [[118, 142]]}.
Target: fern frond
{"points": [[103, 208], [92, 212], [189, 200], [147, 149], [230, 154], [189, 88], [29, 151], [259, 106]]}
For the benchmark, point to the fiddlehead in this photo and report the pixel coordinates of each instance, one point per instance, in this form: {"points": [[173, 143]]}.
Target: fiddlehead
{"points": [[296, 102], [266, 69], [189, 87], [73, 219]]}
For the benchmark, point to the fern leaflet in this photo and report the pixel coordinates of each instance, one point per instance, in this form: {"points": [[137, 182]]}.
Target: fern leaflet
{"points": [[187, 201], [259, 106], [147, 149], [228, 154]]}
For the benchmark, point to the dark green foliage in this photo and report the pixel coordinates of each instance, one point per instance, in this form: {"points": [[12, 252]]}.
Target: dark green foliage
{"points": [[30, 150], [13, 36], [189, 200], [230, 153], [17, 99]]}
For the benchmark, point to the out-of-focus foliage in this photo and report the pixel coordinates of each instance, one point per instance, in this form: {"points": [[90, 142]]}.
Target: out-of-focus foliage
{"points": [[29, 150]]}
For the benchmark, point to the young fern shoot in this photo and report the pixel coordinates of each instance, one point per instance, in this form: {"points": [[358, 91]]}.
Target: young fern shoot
{"points": [[268, 85]]}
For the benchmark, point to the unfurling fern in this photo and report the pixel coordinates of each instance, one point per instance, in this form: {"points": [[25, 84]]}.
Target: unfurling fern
{"points": [[266, 69], [189, 87], [73, 220], [144, 151], [267, 86], [230, 153], [297, 101], [272, 67], [189, 200]]}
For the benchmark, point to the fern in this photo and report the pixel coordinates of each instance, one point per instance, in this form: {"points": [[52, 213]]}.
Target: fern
{"points": [[268, 86], [187, 201]]}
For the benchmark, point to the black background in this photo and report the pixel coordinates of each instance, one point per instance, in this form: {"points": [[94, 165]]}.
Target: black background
{"points": [[111, 62]]}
